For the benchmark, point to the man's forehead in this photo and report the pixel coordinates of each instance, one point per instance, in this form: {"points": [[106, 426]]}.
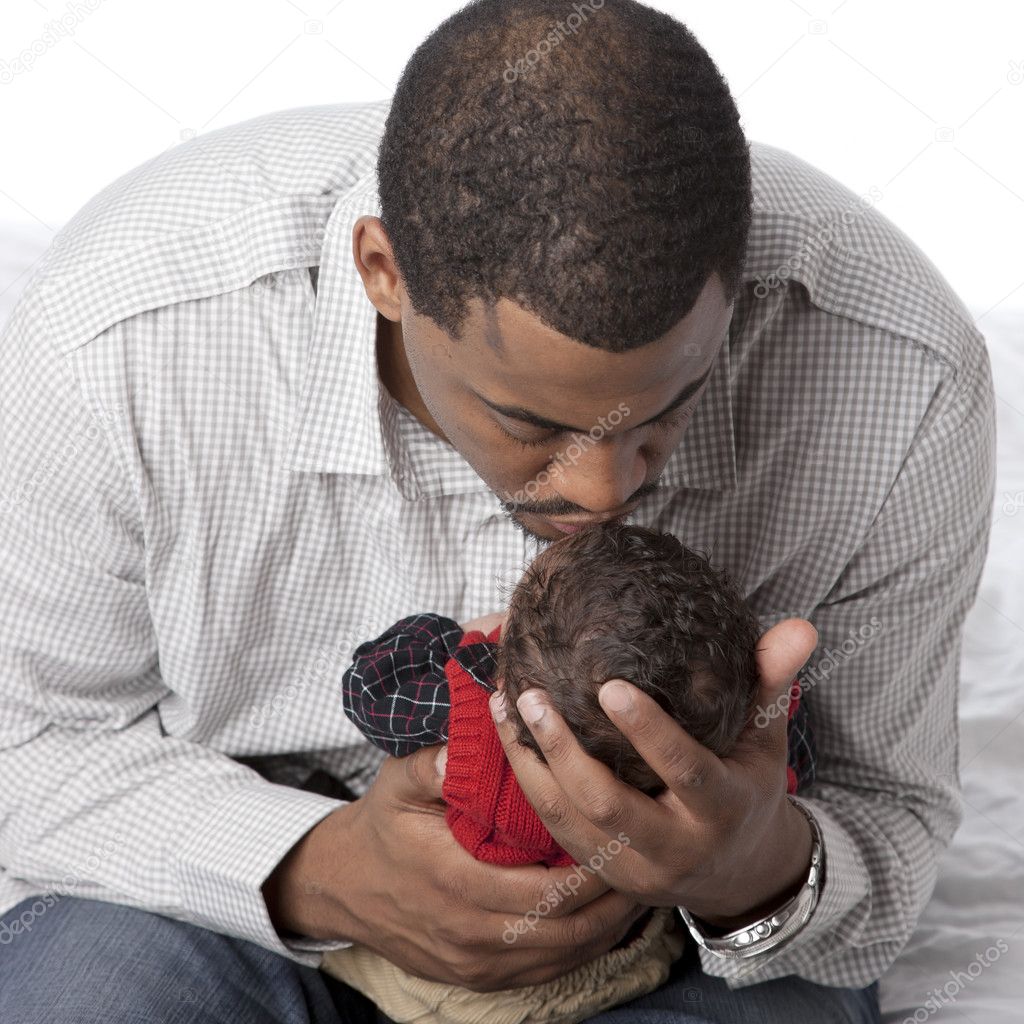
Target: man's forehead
{"points": [[504, 343], [497, 323]]}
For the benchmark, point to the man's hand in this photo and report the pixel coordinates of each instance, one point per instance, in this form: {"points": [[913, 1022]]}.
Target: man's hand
{"points": [[722, 840], [385, 871]]}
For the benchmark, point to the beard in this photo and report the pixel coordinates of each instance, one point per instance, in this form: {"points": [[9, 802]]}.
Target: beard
{"points": [[512, 515]]}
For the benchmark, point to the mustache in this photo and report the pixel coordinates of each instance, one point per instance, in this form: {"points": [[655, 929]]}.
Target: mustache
{"points": [[562, 509]]}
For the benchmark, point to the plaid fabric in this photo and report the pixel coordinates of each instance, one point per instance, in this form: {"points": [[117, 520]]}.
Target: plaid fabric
{"points": [[800, 742], [396, 690], [208, 501]]}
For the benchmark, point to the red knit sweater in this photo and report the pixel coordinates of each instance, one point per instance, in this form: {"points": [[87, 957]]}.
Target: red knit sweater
{"points": [[487, 810]]}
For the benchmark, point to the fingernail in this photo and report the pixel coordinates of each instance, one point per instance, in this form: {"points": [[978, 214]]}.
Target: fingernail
{"points": [[498, 706], [531, 707], [441, 761], [615, 697]]}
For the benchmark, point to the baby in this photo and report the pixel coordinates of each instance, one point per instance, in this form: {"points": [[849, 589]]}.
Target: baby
{"points": [[612, 601]]}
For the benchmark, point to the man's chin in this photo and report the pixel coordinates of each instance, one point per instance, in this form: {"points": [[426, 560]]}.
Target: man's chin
{"points": [[534, 526]]}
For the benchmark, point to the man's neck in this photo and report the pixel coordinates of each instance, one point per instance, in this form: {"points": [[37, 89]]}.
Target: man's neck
{"points": [[396, 375]]}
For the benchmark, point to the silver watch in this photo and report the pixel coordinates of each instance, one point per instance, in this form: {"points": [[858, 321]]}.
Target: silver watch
{"points": [[779, 927]]}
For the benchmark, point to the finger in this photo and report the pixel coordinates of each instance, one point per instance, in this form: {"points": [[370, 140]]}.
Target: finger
{"points": [[609, 915], [563, 791], [509, 952], [518, 889], [691, 772], [613, 806], [539, 928], [763, 742], [419, 779], [570, 888], [783, 650], [781, 653]]}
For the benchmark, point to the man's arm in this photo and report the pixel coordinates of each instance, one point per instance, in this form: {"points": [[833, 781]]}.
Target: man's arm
{"points": [[96, 800]]}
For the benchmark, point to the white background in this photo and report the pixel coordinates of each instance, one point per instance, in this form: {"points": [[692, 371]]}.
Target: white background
{"points": [[922, 102]]}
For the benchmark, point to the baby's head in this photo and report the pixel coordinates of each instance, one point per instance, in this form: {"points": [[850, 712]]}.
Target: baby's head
{"points": [[617, 601]]}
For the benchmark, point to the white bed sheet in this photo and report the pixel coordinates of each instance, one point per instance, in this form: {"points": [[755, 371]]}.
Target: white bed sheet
{"points": [[977, 909]]}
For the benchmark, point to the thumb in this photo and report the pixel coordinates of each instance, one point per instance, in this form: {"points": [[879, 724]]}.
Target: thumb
{"points": [[781, 654], [424, 774]]}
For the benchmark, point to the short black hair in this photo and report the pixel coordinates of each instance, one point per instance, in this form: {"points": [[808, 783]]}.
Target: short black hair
{"points": [[583, 160], [619, 601]]}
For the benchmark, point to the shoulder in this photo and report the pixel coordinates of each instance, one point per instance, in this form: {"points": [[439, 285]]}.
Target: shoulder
{"points": [[207, 216], [817, 245]]}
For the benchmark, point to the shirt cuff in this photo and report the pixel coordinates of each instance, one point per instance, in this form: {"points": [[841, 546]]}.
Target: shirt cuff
{"points": [[845, 885], [231, 852]]}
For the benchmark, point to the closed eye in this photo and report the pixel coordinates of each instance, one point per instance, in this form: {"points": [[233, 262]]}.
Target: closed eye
{"points": [[524, 443], [667, 422]]}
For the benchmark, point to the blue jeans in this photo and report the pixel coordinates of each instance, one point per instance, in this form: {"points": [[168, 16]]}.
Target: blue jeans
{"points": [[81, 961]]}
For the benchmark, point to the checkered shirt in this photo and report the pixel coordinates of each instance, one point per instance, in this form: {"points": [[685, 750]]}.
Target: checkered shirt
{"points": [[208, 501]]}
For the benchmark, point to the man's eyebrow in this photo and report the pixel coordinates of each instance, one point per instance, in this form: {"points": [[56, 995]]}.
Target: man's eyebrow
{"points": [[516, 412]]}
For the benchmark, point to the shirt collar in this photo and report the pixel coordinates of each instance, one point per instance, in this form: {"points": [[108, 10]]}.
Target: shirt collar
{"points": [[338, 425], [346, 421]]}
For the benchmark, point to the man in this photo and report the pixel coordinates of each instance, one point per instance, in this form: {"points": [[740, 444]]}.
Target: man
{"points": [[302, 376]]}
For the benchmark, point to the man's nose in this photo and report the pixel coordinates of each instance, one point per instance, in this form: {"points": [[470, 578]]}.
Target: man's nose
{"points": [[601, 476]]}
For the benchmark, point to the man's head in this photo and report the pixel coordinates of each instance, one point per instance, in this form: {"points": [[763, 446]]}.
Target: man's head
{"points": [[625, 602], [565, 240]]}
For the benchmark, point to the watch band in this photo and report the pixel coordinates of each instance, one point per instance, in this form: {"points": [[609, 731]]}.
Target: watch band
{"points": [[777, 928]]}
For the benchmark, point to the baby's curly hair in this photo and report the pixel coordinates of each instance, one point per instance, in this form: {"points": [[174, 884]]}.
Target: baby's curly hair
{"points": [[598, 187], [619, 601]]}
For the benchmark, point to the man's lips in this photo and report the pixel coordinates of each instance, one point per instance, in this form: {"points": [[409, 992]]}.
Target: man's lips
{"points": [[575, 525], [565, 528]]}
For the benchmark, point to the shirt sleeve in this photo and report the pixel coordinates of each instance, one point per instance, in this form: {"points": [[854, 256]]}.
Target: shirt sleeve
{"points": [[97, 801], [396, 690], [881, 691]]}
